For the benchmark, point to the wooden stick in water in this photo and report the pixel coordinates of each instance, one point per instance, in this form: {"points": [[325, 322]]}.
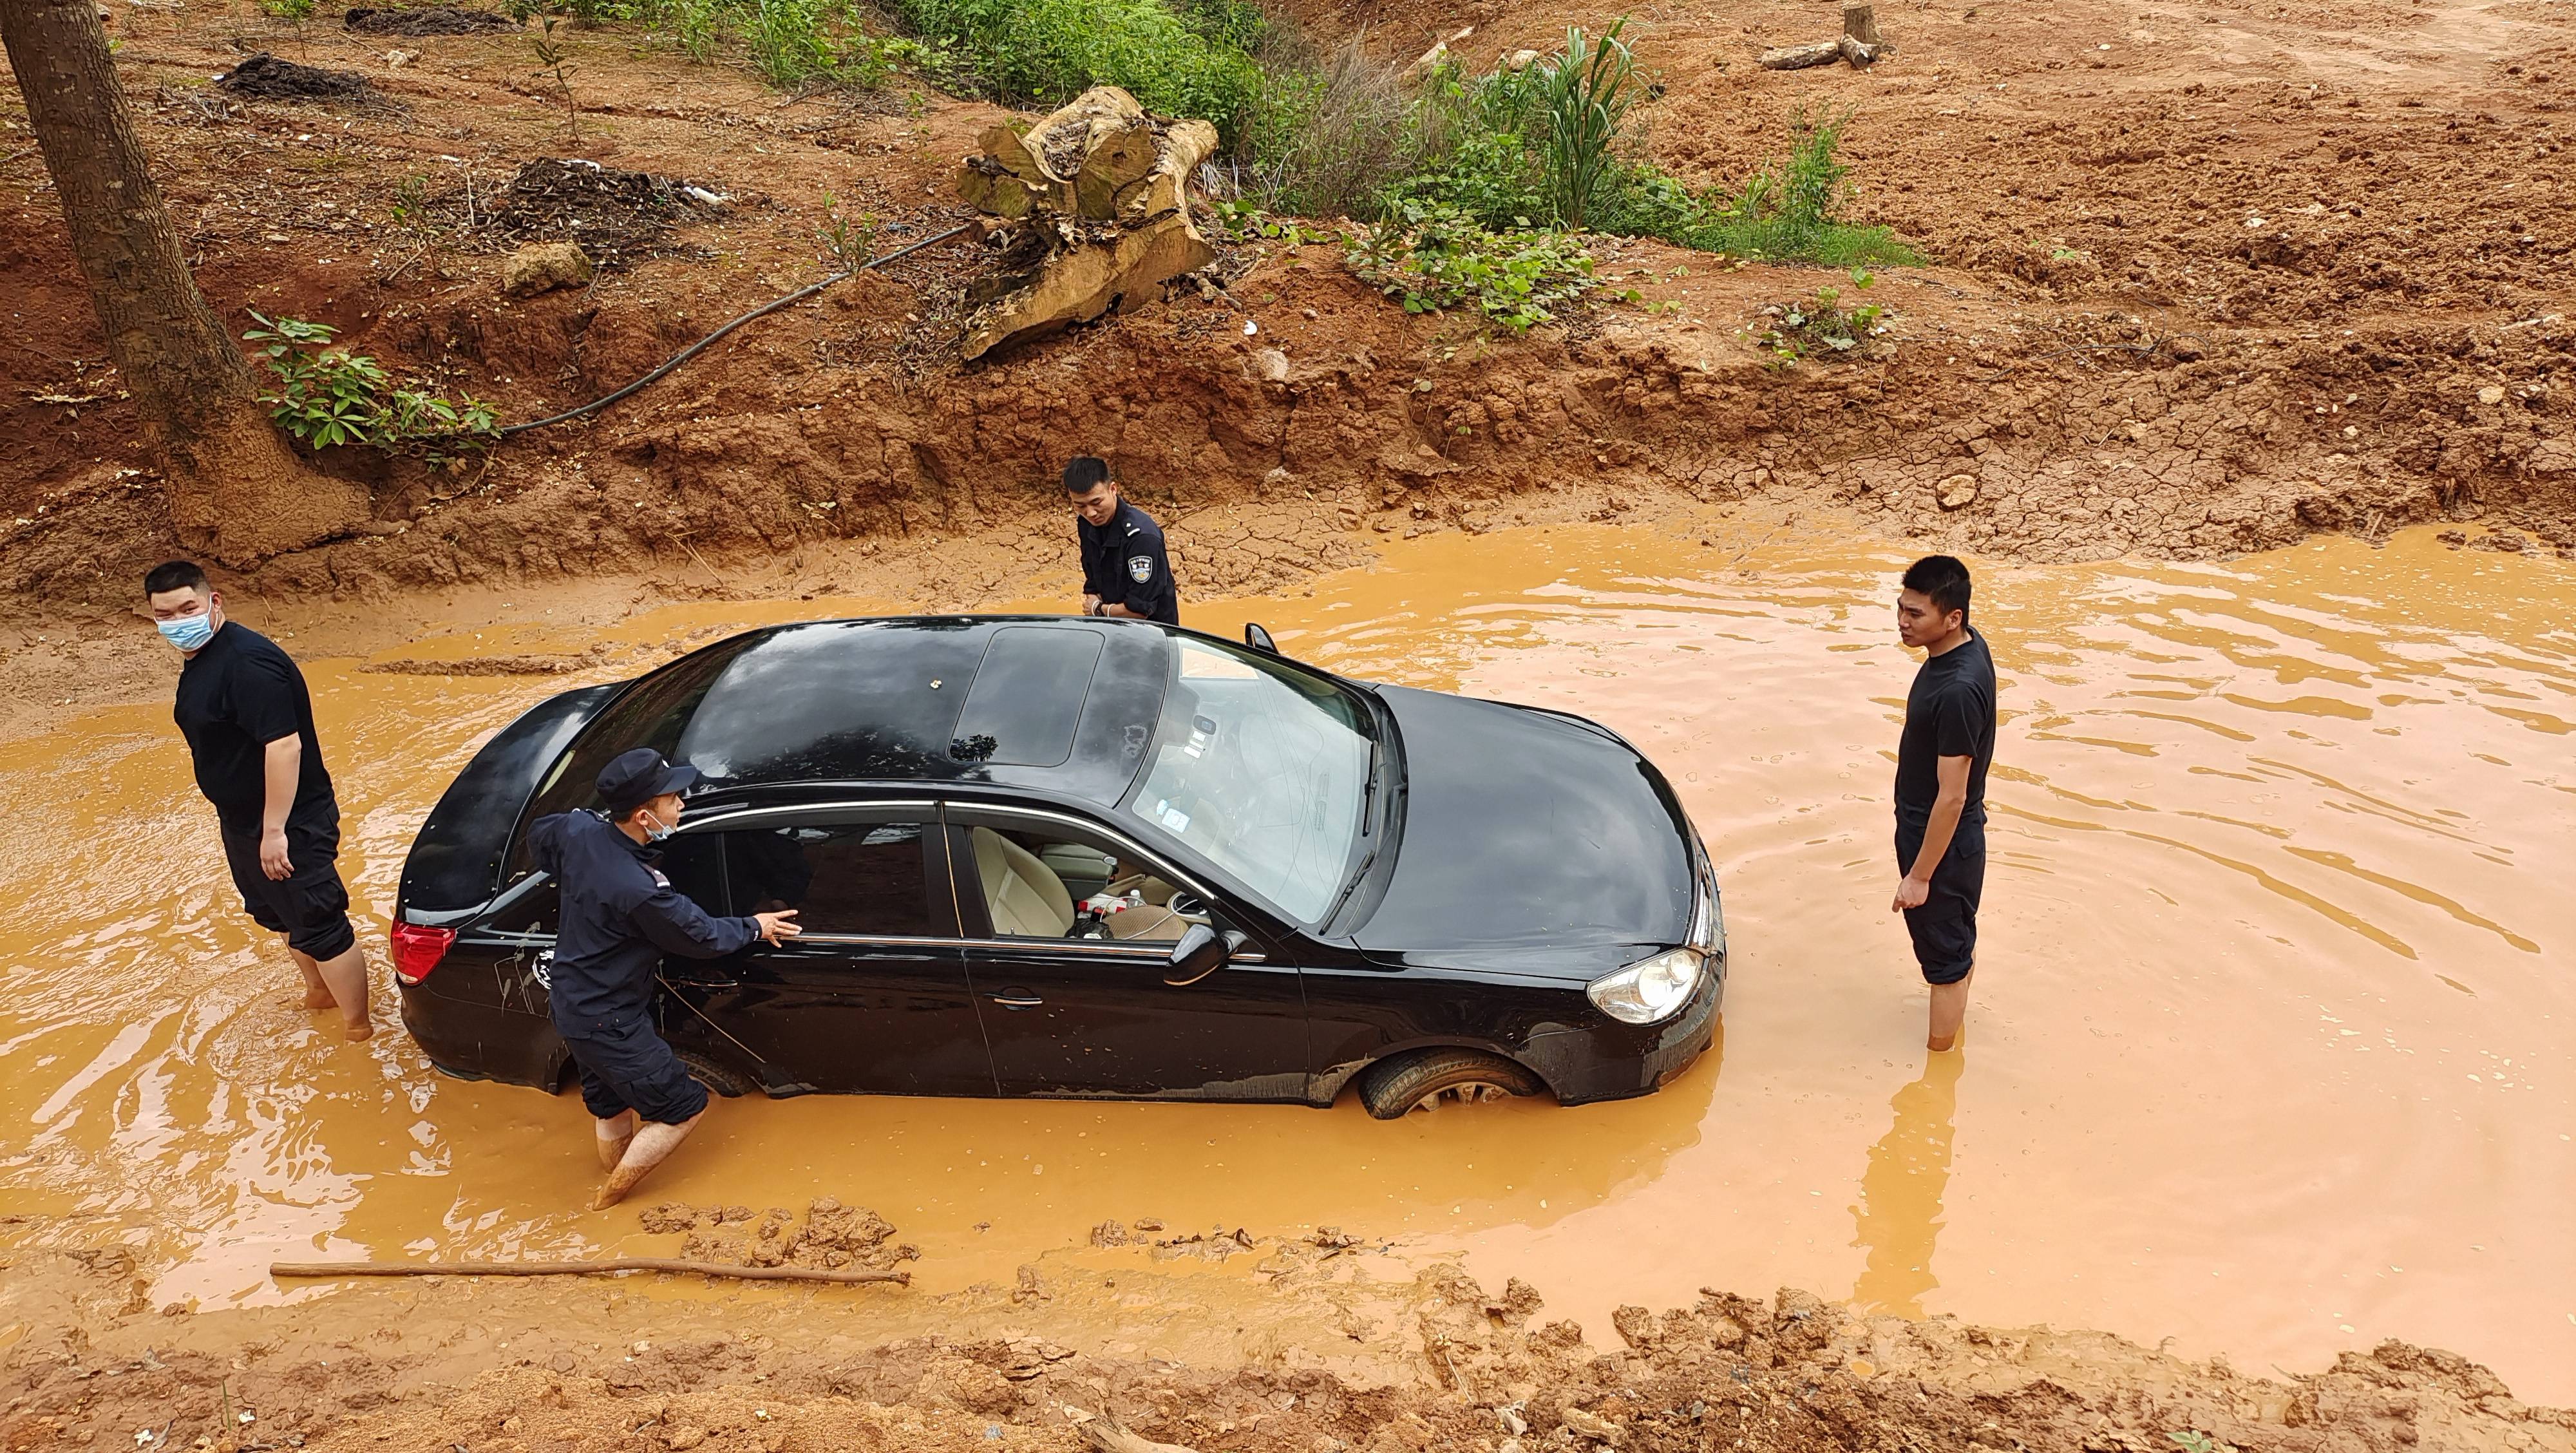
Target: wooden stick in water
{"points": [[578, 1268]]}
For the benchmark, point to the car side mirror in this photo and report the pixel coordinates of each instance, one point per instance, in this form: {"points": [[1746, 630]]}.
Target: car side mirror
{"points": [[1259, 639], [1201, 951]]}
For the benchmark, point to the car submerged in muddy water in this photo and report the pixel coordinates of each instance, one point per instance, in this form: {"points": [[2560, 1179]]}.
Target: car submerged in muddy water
{"points": [[1053, 856]]}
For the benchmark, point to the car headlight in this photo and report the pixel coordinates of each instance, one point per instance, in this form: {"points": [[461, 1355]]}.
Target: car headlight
{"points": [[1652, 989]]}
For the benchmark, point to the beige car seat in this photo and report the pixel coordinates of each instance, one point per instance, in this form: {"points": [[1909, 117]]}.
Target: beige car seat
{"points": [[1151, 922], [1024, 895]]}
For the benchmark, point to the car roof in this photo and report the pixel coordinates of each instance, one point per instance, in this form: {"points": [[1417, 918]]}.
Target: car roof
{"points": [[1060, 703]]}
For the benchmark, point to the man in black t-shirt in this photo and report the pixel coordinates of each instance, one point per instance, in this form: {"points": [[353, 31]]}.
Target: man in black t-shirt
{"points": [[1941, 764], [249, 724], [1124, 570]]}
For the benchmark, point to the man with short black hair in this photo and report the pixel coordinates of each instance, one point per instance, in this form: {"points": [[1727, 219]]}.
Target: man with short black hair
{"points": [[1941, 760], [248, 720], [1124, 570], [619, 916]]}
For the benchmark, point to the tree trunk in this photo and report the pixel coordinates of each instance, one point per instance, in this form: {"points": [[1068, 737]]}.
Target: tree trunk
{"points": [[236, 488], [1799, 57], [1860, 22]]}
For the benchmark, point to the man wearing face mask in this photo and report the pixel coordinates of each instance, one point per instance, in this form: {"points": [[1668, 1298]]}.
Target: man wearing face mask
{"points": [[248, 720], [620, 915]]}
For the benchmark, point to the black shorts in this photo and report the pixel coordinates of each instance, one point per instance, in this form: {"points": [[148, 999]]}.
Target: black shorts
{"points": [[1944, 929], [311, 905], [630, 1068]]}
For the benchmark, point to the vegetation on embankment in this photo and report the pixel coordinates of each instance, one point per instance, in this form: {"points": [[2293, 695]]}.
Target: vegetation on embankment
{"points": [[1539, 143]]}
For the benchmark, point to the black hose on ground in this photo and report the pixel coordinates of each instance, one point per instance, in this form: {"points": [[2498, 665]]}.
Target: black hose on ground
{"points": [[694, 349]]}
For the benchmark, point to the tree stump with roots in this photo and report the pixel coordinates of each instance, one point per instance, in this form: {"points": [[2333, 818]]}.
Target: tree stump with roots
{"points": [[1094, 198]]}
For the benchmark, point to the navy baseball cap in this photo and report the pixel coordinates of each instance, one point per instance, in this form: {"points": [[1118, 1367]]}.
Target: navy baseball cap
{"points": [[639, 776]]}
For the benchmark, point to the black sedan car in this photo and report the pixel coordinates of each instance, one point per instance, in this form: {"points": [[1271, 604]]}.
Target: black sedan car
{"points": [[1074, 857]]}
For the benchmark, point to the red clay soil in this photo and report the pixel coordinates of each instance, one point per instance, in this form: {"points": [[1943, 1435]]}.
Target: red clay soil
{"points": [[1323, 1349], [2207, 279]]}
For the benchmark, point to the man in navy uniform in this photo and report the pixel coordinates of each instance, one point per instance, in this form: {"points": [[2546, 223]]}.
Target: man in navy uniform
{"points": [[620, 916], [248, 719], [1124, 570]]}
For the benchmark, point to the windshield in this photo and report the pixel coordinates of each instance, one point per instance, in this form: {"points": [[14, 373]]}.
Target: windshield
{"points": [[1261, 767]]}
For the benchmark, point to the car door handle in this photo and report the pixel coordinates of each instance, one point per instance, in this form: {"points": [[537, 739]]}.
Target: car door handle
{"points": [[1017, 999]]}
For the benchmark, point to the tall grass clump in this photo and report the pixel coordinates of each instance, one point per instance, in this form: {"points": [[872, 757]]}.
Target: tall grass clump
{"points": [[1581, 98], [1323, 137]]}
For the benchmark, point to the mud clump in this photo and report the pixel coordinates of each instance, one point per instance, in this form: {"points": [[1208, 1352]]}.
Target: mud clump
{"points": [[270, 79], [544, 266], [430, 20], [1368, 1365], [614, 216], [834, 1237]]}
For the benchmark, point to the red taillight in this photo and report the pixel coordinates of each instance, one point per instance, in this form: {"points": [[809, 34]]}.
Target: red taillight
{"points": [[417, 950]]}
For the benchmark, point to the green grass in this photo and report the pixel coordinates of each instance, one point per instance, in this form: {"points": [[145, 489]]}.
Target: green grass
{"points": [[1195, 63], [1508, 161]]}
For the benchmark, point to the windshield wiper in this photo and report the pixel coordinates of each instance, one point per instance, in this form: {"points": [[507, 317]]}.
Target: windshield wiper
{"points": [[1359, 875], [1368, 792]]}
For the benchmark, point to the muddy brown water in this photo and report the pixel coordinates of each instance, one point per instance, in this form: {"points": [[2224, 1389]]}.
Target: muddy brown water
{"points": [[2271, 1051]]}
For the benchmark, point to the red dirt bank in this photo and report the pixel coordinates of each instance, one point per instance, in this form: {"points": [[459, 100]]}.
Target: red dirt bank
{"points": [[1330, 1355], [2332, 266]]}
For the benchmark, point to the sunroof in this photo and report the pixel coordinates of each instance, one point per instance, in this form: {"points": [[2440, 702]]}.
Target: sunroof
{"points": [[1028, 695]]}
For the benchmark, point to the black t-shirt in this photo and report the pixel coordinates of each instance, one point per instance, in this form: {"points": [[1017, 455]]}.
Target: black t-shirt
{"points": [[1949, 713], [236, 695], [1123, 563]]}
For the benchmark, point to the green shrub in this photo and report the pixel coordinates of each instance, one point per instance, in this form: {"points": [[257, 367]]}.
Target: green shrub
{"points": [[1434, 257], [1820, 327], [1553, 144], [1786, 212], [339, 397], [1045, 52], [791, 42]]}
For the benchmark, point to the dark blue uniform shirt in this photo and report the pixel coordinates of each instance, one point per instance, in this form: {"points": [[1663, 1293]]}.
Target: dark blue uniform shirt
{"points": [[1123, 563], [620, 915]]}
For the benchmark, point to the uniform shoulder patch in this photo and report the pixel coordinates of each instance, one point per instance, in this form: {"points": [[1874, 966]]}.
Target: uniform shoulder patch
{"points": [[1140, 568]]}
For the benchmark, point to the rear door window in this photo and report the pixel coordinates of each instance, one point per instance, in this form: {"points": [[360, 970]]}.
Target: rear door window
{"points": [[868, 879]]}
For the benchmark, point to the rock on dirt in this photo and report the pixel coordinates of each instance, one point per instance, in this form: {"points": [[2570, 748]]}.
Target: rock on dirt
{"points": [[429, 20], [1958, 491], [271, 79], [542, 267]]}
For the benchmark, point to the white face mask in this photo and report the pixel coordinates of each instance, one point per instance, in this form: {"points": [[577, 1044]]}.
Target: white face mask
{"points": [[653, 829]]}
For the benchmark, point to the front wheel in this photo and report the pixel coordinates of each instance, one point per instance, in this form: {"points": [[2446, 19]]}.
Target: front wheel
{"points": [[1427, 1080], [715, 1077]]}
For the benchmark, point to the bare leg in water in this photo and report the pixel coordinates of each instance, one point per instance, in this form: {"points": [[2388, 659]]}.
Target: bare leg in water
{"points": [[1949, 1013], [317, 995], [614, 1134], [653, 1144], [338, 983]]}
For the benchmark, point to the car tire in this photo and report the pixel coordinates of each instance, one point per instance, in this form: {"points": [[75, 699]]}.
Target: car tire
{"points": [[714, 1076], [1431, 1078]]}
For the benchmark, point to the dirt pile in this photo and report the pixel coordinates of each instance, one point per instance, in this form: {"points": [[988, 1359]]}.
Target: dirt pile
{"points": [[615, 216], [1426, 1362], [271, 79]]}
